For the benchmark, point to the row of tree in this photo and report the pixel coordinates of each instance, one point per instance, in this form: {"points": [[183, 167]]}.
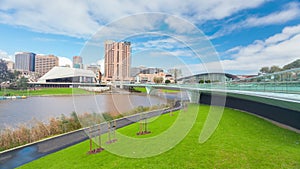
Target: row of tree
{"points": [[273, 69], [11, 79]]}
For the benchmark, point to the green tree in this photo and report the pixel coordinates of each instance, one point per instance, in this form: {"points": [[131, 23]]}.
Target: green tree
{"points": [[158, 79], [207, 81], [265, 69], [22, 83], [274, 69], [4, 73]]}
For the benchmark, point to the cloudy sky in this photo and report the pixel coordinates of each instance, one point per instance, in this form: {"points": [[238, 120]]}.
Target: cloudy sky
{"points": [[232, 35]]}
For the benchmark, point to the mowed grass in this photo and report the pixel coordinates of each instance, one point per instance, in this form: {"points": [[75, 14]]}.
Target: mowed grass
{"points": [[143, 90], [140, 89], [240, 141], [44, 91]]}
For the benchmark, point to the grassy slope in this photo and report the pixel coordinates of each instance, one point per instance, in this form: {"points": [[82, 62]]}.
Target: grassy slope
{"points": [[240, 141], [143, 90], [45, 91], [140, 89]]}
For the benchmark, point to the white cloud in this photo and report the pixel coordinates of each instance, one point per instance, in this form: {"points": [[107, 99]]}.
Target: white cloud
{"points": [[83, 18], [179, 25], [101, 63], [5, 56], [63, 61], [289, 12], [287, 33], [61, 17], [278, 49]]}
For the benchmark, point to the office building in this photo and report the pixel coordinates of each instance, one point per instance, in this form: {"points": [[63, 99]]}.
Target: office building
{"points": [[25, 61], [44, 63], [77, 62], [117, 61]]}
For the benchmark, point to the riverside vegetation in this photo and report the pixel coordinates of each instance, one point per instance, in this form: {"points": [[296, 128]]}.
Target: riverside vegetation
{"points": [[24, 134]]}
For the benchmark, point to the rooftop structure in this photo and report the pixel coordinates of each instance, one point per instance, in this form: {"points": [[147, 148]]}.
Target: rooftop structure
{"points": [[68, 75]]}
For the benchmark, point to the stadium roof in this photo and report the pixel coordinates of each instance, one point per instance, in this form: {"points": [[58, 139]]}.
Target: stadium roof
{"points": [[66, 72]]}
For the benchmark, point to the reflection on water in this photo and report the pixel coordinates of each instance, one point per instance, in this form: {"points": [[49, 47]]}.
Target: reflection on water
{"points": [[14, 112]]}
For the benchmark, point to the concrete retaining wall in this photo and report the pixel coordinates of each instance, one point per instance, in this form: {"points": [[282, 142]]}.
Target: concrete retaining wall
{"points": [[285, 115]]}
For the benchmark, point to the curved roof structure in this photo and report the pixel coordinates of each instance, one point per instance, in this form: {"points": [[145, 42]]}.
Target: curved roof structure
{"points": [[66, 72], [227, 75]]}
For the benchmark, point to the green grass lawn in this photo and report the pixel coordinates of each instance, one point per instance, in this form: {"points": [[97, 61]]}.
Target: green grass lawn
{"points": [[140, 89], [143, 90], [240, 141], [44, 91]]}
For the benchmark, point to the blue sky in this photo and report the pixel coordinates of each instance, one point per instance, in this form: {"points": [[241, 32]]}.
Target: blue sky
{"points": [[196, 35]]}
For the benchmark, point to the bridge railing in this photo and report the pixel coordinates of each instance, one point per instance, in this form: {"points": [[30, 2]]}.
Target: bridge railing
{"points": [[275, 87], [291, 87]]}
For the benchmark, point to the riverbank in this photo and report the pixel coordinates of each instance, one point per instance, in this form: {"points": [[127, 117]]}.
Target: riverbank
{"points": [[37, 130], [240, 141], [45, 92], [143, 90]]}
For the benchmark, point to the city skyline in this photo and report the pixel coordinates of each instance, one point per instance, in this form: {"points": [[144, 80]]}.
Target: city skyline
{"points": [[246, 35]]}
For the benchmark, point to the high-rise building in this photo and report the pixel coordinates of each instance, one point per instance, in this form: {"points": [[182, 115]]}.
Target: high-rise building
{"points": [[77, 62], [44, 63], [25, 61], [117, 61]]}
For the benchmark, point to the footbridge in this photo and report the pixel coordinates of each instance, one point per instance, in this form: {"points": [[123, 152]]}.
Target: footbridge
{"points": [[275, 101]]}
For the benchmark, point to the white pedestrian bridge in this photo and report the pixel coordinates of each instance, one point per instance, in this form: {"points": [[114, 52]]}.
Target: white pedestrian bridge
{"points": [[270, 91], [278, 102]]}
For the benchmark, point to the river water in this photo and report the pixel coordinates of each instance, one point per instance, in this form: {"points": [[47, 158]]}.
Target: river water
{"points": [[24, 111]]}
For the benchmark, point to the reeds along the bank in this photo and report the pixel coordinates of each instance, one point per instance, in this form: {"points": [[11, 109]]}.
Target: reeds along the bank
{"points": [[24, 134], [38, 130]]}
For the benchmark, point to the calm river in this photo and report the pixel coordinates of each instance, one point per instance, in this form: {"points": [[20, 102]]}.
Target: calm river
{"points": [[23, 111]]}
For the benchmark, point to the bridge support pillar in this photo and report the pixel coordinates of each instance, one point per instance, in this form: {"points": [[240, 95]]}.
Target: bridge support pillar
{"points": [[149, 89], [194, 96]]}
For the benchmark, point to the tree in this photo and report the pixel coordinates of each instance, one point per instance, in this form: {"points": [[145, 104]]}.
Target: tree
{"points": [[271, 69], [265, 69], [4, 73], [158, 79], [22, 83], [295, 64], [167, 81], [274, 69]]}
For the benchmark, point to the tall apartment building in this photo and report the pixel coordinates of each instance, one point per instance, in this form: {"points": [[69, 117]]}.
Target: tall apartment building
{"points": [[77, 62], [117, 61], [44, 63], [25, 61]]}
